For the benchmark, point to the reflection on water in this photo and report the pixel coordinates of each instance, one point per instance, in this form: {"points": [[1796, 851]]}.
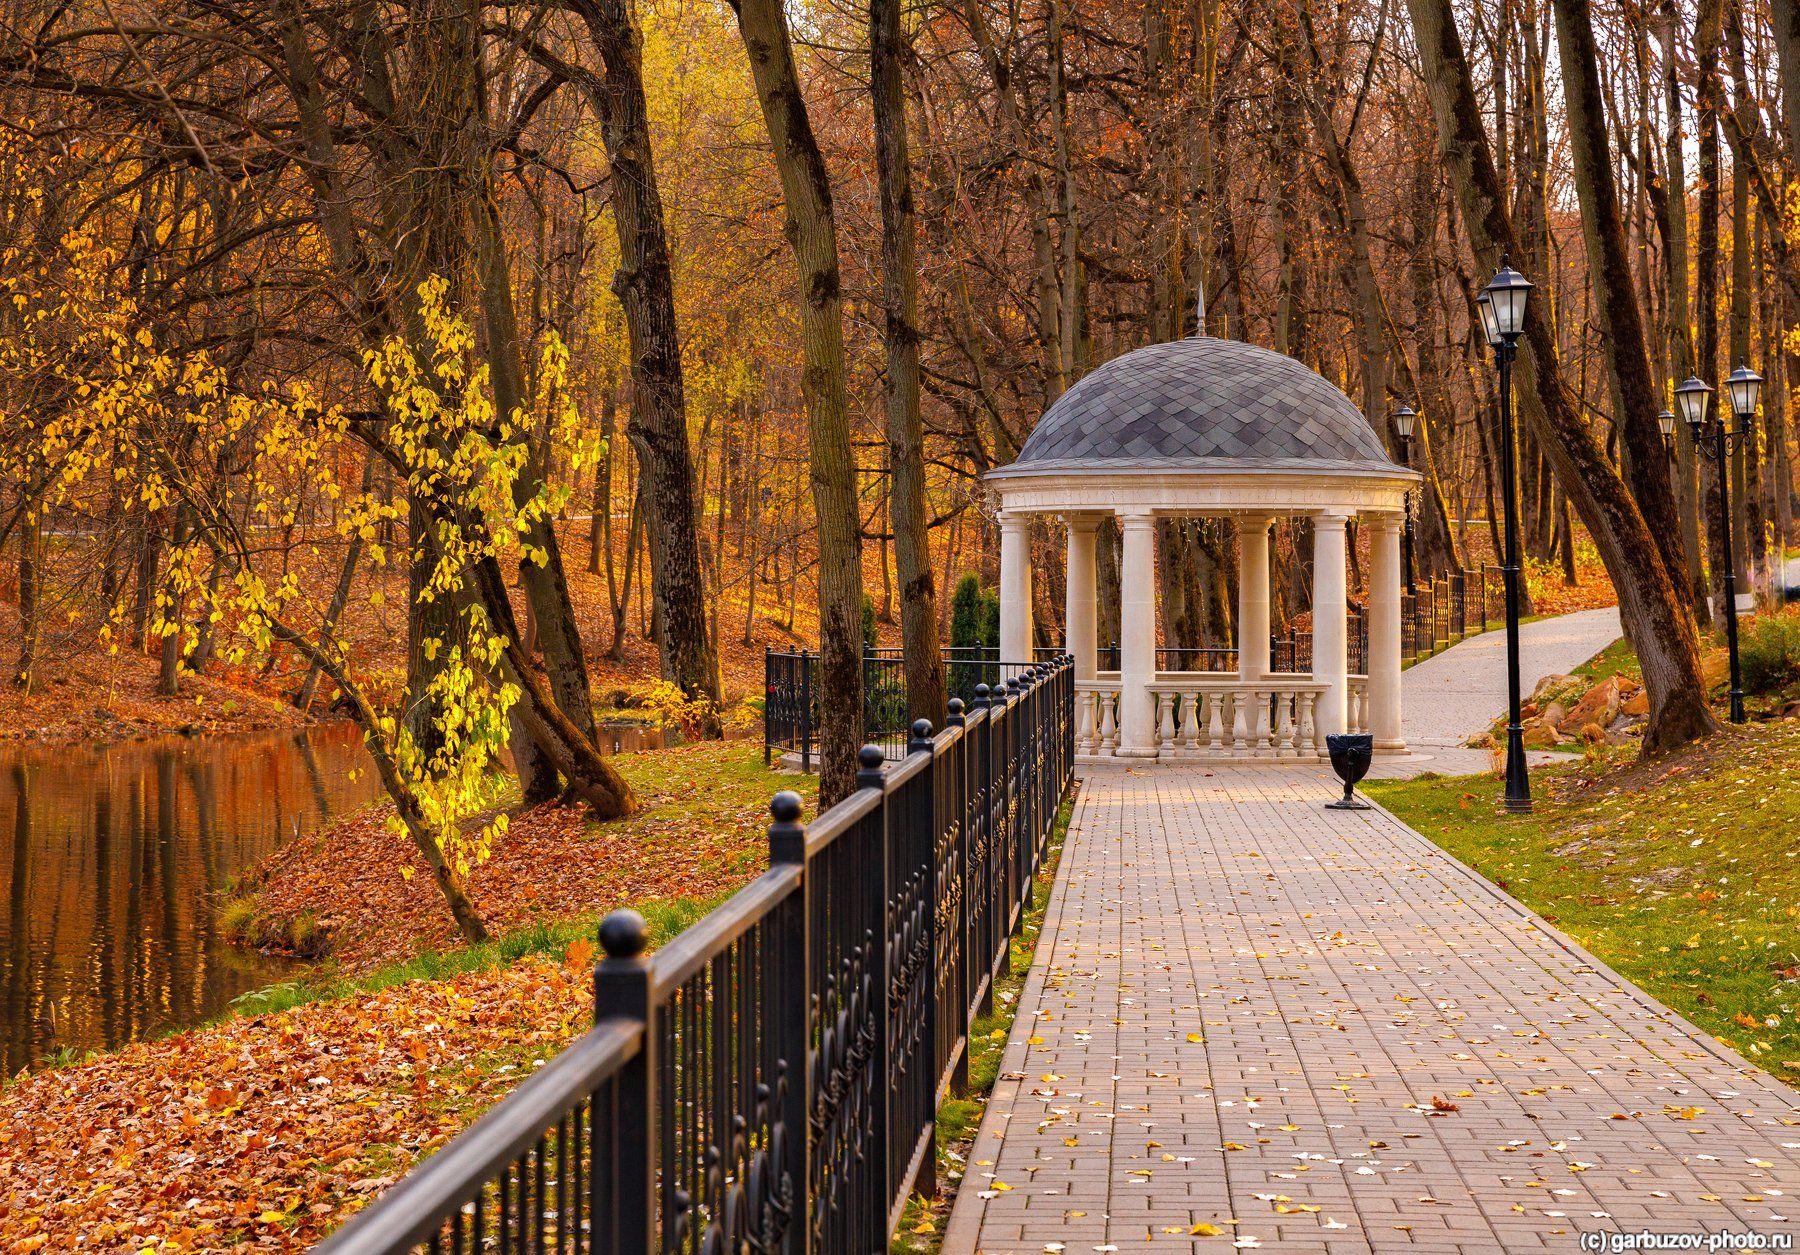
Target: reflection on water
{"points": [[113, 857]]}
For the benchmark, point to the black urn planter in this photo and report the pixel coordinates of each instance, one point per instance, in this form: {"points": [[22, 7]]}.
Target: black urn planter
{"points": [[1351, 754]]}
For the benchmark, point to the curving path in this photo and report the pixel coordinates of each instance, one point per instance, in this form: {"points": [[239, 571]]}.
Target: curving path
{"points": [[1314, 1031], [1451, 696]]}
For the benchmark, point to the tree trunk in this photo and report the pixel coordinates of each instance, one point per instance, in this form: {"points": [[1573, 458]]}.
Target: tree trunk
{"points": [[1750, 542], [1438, 553], [1070, 319], [570, 749], [406, 803], [1652, 611], [1038, 211], [812, 233], [1670, 204], [340, 598], [551, 611], [31, 576], [1707, 30], [1785, 18], [924, 659], [1615, 293]]}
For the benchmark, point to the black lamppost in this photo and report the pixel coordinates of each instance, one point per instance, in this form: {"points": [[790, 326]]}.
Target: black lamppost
{"points": [[1665, 423], [1744, 387], [1404, 418], [1502, 307]]}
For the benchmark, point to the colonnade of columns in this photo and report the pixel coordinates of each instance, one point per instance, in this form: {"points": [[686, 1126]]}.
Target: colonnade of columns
{"points": [[1137, 736]]}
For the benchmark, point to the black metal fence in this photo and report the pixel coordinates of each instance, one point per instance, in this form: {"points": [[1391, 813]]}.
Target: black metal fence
{"points": [[1443, 611], [768, 1080], [791, 695]]}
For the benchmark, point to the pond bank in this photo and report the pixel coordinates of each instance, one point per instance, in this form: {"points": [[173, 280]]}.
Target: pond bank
{"points": [[259, 1131], [366, 900]]}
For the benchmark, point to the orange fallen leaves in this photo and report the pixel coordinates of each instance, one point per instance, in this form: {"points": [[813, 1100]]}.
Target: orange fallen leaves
{"points": [[702, 833], [260, 1133]]}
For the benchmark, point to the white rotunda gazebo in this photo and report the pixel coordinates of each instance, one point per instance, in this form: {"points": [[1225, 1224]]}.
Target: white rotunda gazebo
{"points": [[1220, 428]]}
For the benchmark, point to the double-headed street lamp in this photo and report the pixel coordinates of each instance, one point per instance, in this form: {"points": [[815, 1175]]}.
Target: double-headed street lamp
{"points": [[1712, 439], [1404, 419], [1502, 308]]}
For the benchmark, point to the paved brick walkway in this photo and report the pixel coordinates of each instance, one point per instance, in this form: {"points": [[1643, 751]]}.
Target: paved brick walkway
{"points": [[1246, 1011]]}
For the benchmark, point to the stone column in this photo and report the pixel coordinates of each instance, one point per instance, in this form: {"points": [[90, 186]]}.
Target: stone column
{"points": [[1082, 589], [1330, 622], [1137, 636], [1253, 596], [1015, 587], [1384, 633]]}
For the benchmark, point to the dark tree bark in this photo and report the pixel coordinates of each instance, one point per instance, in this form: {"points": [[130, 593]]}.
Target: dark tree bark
{"points": [[646, 288], [1709, 18], [812, 234], [1785, 18], [1652, 611], [1045, 287], [1437, 548], [31, 577], [1615, 292], [1669, 204], [924, 659], [1750, 539]]}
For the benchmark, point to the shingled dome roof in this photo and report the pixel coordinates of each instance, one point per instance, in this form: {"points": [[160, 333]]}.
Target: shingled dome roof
{"points": [[1202, 404]]}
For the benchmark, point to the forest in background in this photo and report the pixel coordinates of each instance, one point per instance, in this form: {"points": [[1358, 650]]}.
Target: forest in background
{"points": [[415, 359]]}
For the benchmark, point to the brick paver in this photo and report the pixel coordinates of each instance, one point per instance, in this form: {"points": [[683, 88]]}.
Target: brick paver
{"points": [[1316, 1032]]}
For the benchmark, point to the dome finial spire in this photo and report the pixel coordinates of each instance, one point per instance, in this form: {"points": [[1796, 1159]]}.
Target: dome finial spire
{"points": [[1200, 307]]}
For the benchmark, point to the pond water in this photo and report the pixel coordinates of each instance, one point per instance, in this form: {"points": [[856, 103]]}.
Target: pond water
{"points": [[113, 859]]}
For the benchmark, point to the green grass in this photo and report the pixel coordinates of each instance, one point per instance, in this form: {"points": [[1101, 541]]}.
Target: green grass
{"points": [[1683, 876], [1616, 659], [922, 1223], [666, 918]]}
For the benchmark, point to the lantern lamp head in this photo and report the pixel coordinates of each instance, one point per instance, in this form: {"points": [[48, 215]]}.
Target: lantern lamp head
{"points": [[1692, 396], [1404, 419], [1665, 423], [1490, 330], [1745, 387], [1508, 293]]}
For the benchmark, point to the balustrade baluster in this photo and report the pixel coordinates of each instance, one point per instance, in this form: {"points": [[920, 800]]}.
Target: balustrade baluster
{"points": [[1190, 722], [1242, 723], [1309, 728]]}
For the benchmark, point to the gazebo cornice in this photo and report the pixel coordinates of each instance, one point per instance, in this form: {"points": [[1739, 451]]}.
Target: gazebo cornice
{"points": [[1222, 488], [1204, 468]]}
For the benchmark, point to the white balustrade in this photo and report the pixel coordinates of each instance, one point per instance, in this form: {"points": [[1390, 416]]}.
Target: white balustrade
{"points": [[1202, 715], [1357, 715]]}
